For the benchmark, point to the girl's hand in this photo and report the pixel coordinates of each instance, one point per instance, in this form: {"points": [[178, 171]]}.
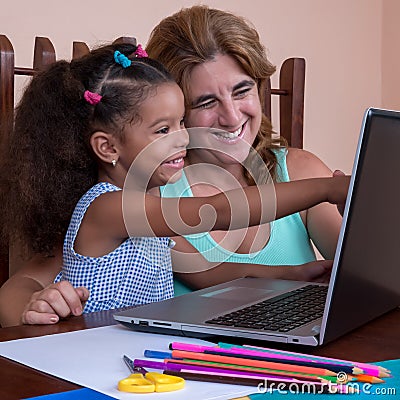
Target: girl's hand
{"points": [[340, 206], [58, 300], [337, 191]]}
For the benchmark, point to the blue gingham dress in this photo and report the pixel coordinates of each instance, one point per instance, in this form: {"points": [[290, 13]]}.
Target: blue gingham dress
{"points": [[139, 271]]}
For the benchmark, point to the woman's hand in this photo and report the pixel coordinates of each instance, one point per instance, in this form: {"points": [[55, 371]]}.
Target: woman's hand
{"points": [[314, 271], [55, 301]]}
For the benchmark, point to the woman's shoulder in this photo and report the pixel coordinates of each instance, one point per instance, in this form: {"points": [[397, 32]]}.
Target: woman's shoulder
{"points": [[303, 164]]}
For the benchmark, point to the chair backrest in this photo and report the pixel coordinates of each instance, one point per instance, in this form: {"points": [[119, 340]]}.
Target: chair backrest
{"points": [[291, 100], [79, 49], [44, 54]]}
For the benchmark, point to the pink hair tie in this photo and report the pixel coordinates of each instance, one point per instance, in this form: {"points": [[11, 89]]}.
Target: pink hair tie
{"points": [[140, 52], [92, 98]]}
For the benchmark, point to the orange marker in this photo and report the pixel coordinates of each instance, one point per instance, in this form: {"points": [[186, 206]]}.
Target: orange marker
{"points": [[299, 375], [368, 378], [252, 363]]}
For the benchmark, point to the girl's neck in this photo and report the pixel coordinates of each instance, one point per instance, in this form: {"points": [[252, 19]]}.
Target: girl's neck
{"points": [[114, 179], [215, 173], [119, 181]]}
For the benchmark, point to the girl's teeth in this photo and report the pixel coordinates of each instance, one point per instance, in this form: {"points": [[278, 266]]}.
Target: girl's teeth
{"points": [[176, 161]]}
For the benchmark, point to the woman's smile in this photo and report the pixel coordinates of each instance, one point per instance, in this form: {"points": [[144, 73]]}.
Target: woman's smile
{"points": [[230, 137]]}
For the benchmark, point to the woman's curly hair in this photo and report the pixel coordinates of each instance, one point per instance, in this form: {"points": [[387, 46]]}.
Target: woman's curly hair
{"points": [[49, 164]]}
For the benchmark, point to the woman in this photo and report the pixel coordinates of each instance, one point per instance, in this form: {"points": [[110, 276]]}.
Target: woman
{"points": [[217, 59], [36, 300]]}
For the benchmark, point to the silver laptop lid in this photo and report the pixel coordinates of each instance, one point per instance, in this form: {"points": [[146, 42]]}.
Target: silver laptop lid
{"points": [[365, 280]]}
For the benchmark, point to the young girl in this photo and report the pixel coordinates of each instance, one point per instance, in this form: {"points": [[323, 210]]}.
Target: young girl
{"points": [[79, 128]]}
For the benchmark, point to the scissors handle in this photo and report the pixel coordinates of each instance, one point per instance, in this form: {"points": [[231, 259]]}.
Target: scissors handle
{"points": [[141, 381], [151, 382], [164, 382], [136, 383]]}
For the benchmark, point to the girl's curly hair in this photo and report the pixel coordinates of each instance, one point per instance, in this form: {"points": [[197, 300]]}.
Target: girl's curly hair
{"points": [[49, 164]]}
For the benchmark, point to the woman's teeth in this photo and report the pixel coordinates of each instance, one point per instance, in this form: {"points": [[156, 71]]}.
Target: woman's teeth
{"points": [[229, 135]]}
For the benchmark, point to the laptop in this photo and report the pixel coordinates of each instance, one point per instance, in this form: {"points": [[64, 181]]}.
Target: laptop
{"points": [[364, 283]]}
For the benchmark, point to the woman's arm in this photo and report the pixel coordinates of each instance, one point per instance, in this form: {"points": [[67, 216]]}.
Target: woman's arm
{"points": [[31, 297], [198, 273]]}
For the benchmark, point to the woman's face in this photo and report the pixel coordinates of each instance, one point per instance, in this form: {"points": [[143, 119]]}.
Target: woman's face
{"points": [[222, 96]]}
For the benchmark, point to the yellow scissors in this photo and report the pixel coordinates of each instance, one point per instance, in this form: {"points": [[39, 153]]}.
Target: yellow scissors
{"points": [[141, 381]]}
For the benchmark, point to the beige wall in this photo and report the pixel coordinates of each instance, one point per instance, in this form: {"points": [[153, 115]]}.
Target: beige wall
{"points": [[391, 55], [351, 49]]}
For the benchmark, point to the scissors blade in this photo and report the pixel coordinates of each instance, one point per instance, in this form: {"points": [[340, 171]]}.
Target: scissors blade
{"points": [[131, 365]]}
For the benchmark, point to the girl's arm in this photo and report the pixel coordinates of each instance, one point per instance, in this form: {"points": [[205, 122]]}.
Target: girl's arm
{"points": [[322, 221], [105, 224], [30, 297]]}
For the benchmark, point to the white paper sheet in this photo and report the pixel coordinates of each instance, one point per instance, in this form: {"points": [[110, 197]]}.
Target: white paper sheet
{"points": [[93, 358]]}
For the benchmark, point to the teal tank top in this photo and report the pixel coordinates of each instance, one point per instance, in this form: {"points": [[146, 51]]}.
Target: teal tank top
{"points": [[289, 243]]}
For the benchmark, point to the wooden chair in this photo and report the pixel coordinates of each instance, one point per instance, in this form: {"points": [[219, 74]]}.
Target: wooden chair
{"points": [[291, 100], [79, 49], [44, 54]]}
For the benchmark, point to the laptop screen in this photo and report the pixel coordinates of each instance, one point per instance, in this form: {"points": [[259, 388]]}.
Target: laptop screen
{"points": [[366, 268]]}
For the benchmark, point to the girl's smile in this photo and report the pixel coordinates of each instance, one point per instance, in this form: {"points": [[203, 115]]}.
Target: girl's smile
{"points": [[176, 163]]}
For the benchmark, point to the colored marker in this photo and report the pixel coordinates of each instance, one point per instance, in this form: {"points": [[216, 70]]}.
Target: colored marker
{"points": [[283, 384], [157, 354], [369, 369], [204, 369], [298, 375], [252, 363], [236, 378], [258, 355]]}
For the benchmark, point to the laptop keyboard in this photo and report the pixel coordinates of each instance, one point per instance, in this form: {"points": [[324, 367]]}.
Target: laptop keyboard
{"points": [[282, 313]]}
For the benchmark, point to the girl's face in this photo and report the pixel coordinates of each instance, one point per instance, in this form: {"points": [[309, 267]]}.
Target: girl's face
{"points": [[155, 146], [223, 96]]}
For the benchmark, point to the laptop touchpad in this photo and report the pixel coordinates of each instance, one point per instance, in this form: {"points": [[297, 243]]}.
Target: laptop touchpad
{"points": [[236, 293]]}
